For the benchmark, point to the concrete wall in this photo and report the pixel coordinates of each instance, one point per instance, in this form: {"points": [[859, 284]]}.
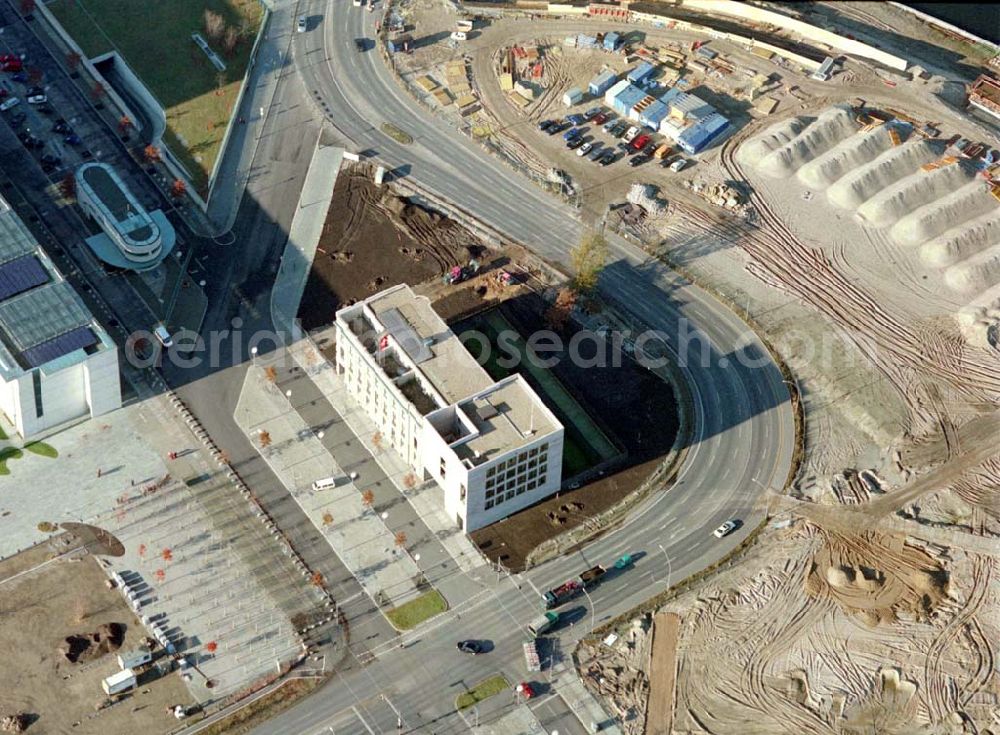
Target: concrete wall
{"points": [[797, 27], [141, 92], [103, 384]]}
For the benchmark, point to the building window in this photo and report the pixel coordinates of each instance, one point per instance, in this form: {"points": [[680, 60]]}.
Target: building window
{"points": [[509, 495], [533, 451], [522, 456], [491, 471], [489, 504], [36, 383], [541, 480], [461, 493], [490, 492], [532, 484], [441, 469]]}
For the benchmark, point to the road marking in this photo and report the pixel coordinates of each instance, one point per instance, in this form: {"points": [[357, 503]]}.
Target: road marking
{"points": [[358, 715]]}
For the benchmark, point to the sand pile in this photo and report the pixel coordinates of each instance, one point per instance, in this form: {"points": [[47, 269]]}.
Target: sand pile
{"points": [[948, 212], [831, 127], [755, 149], [845, 157], [963, 241], [906, 195], [839, 576], [858, 186], [976, 273]]}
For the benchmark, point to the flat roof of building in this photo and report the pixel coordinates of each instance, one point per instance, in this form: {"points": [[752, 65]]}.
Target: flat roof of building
{"points": [[129, 216], [437, 351], [42, 318], [507, 417]]}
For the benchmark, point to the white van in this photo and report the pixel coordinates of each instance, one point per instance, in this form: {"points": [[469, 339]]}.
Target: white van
{"points": [[327, 483], [458, 36], [8, 103]]}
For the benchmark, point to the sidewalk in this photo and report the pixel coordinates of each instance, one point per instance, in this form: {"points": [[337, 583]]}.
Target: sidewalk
{"points": [[297, 456], [581, 702], [303, 237], [426, 498]]}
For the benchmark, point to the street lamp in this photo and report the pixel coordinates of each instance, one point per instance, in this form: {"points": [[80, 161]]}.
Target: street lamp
{"points": [[253, 356], [593, 612]]}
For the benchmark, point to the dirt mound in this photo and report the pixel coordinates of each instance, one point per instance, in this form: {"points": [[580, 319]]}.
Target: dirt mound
{"points": [[858, 186], [17, 722], [911, 192], [91, 646], [907, 579], [830, 128], [847, 156], [950, 211]]}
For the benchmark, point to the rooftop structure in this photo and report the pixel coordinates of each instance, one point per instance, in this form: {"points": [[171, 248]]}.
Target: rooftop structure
{"points": [[442, 412], [133, 239], [56, 362], [985, 94], [692, 123]]}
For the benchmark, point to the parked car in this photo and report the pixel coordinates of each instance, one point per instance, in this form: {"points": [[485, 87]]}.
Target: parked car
{"points": [[570, 134], [585, 149], [576, 119], [13, 65], [631, 134], [20, 77], [61, 126], [46, 109], [677, 165], [600, 118], [72, 139], [596, 152], [300, 26], [608, 157], [36, 96], [574, 142], [546, 124], [51, 158], [725, 529], [163, 336], [557, 127], [9, 103], [473, 647], [640, 142], [639, 160], [610, 125], [592, 113], [525, 690], [17, 120]]}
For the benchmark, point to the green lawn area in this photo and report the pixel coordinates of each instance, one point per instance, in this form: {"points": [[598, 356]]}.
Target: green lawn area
{"points": [[6, 454], [483, 690], [413, 613], [155, 39], [42, 449]]}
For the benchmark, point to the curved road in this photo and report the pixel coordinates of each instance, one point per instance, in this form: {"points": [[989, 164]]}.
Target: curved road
{"points": [[743, 438]]}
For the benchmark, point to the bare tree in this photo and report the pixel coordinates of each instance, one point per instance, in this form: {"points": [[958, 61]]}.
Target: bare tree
{"points": [[271, 374], [178, 189], [152, 154], [125, 124], [215, 24], [368, 498], [316, 579], [265, 439], [400, 539], [377, 440], [67, 187], [73, 60], [409, 481], [327, 518], [97, 92], [231, 40]]}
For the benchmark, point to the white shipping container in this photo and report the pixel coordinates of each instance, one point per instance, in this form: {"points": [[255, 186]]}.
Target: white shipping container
{"points": [[132, 659], [120, 682]]}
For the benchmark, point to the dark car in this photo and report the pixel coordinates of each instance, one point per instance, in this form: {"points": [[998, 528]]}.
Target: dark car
{"points": [[361, 44], [575, 142], [61, 126], [473, 647], [72, 139], [17, 120], [546, 124], [20, 77], [600, 118], [596, 152], [608, 158], [51, 158], [639, 160], [592, 113], [557, 127], [576, 119]]}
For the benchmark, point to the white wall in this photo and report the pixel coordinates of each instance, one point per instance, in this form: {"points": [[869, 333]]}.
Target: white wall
{"points": [[103, 385]]}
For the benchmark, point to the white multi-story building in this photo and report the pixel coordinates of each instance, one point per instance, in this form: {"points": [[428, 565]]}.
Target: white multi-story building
{"points": [[56, 362], [492, 446], [133, 238]]}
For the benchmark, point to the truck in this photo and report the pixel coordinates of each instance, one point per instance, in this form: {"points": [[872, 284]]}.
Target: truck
{"points": [[464, 25], [461, 273], [543, 624], [557, 596], [120, 682], [592, 576]]}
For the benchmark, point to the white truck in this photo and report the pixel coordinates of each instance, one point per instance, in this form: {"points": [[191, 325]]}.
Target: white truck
{"points": [[120, 682]]}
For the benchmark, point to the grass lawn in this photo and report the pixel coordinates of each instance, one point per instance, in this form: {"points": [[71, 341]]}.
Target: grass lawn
{"points": [[483, 690], [6, 454], [413, 613], [42, 449], [155, 39]]}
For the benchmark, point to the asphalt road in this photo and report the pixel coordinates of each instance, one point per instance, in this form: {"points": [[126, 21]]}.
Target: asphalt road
{"points": [[743, 435]]}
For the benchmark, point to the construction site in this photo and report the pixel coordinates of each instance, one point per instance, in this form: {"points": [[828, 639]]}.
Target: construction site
{"points": [[856, 223]]}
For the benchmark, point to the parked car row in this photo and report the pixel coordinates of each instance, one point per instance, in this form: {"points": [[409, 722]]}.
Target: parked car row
{"points": [[640, 147]]}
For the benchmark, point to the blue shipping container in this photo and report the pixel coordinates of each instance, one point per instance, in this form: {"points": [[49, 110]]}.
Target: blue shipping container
{"points": [[627, 99], [612, 41], [697, 137], [641, 72], [602, 83]]}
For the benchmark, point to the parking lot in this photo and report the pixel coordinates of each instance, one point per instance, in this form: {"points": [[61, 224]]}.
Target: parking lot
{"points": [[602, 137]]}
